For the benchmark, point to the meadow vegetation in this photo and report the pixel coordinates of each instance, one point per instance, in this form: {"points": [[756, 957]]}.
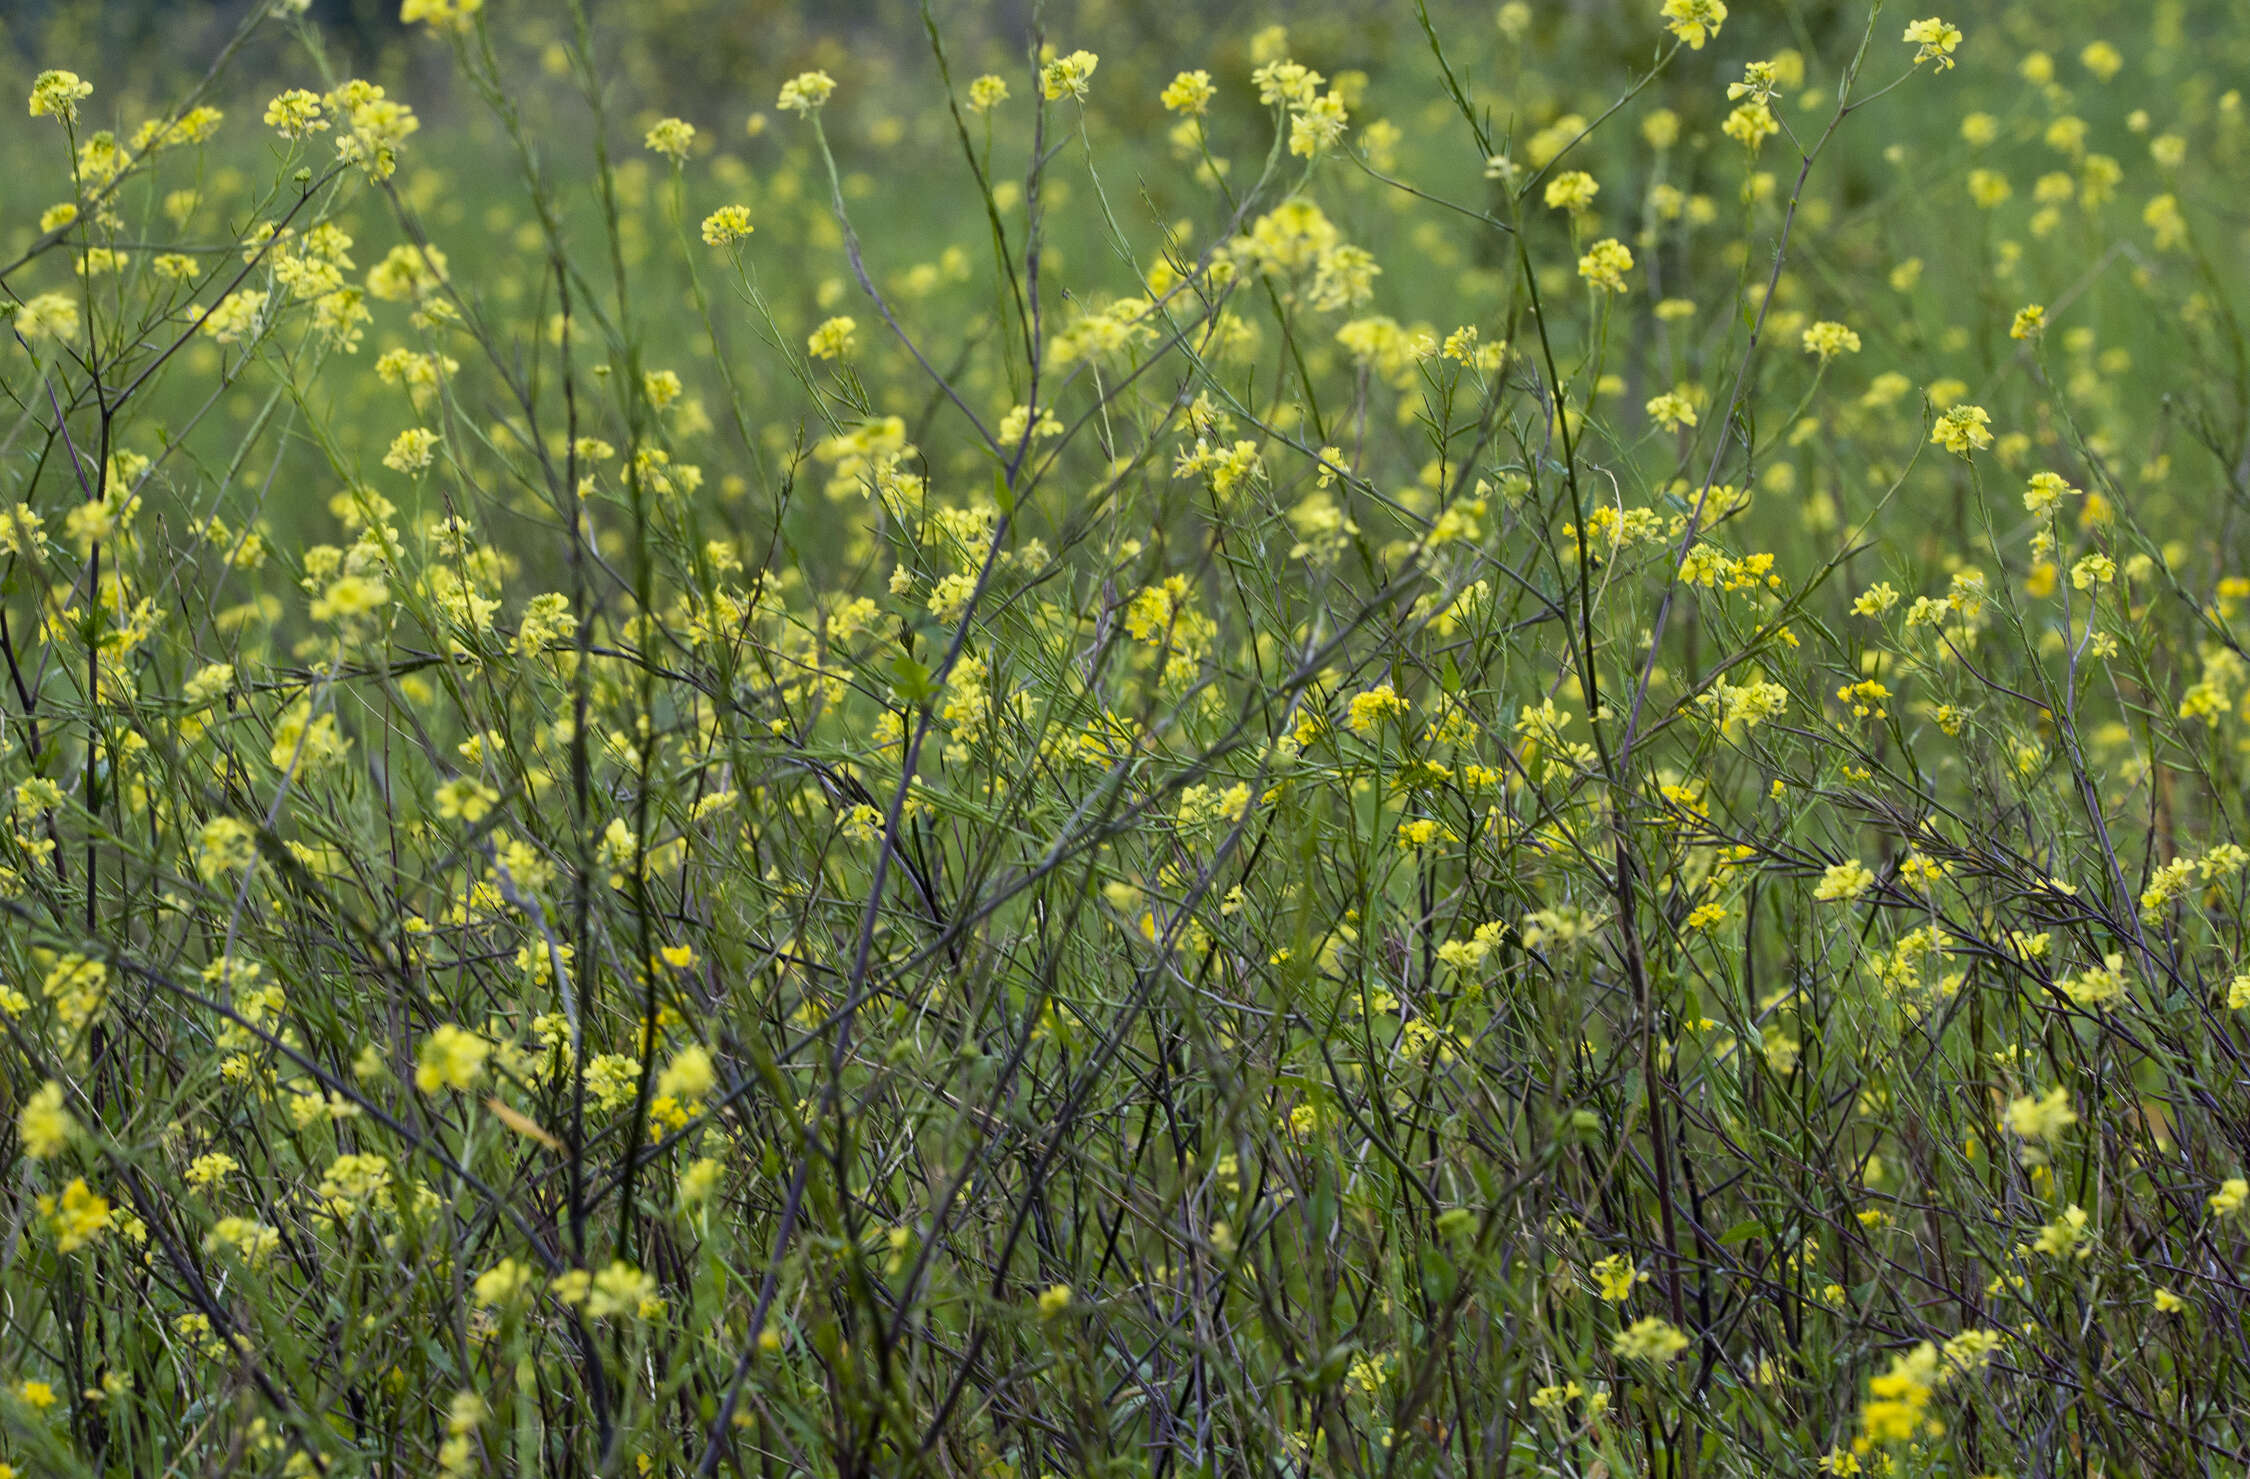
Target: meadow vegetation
{"points": [[1407, 739]]}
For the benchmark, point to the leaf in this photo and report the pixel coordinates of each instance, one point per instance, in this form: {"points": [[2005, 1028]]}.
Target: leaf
{"points": [[911, 678], [523, 1124], [1438, 1276]]}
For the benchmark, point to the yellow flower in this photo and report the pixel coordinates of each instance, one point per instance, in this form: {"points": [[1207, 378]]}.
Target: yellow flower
{"points": [[1286, 82], [1615, 1277], [689, 1077], [833, 339], [1420, 832], [1054, 1301], [1573, 191], [78, 987], [1068, 76], [987, 92], [47, 316], [1844, 881], [1650, 1340], [1317, 126], [727, 225], [1866, 698], [406, 271], [378, 126], [44, 1125], [2030, 322], [1694, 21], [1368, 710], [237, 316], [440, 14], [2168, 1303], [1829, 339], [211, 1168], [2062, 1237], [349, 598], [252, 1241], [1988, 187], [699, 1179], [56, 94], [2097, 985], [1898, 1401], [2164, 219], [505, 1285], [306, 741], [1189, 92], [672, 138], [296, 113], [2043, 1118], [451, 1058], [805, 92], [1671, 410], [2230, 1196], [1759, 79], [1876, 599], [465, 798], [77, 1217], [1605, 264], [1555, 1398], [1750, 125], [1936, 38], [1961, 430], [2047, 489], [620, 1289], [411, 451]]}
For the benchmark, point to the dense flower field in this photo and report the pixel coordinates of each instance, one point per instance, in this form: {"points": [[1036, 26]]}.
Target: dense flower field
{"points": [[1407, 739]]}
